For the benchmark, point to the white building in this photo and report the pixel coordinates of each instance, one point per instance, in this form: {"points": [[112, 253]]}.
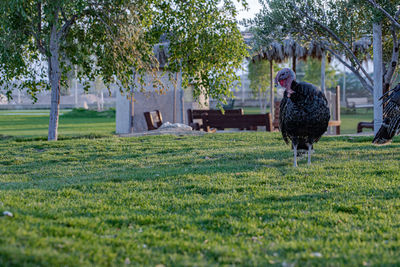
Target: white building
{"points": [[172, 102]]}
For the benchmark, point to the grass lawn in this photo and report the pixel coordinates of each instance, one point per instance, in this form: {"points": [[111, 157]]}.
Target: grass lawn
{"points": [[35, 123], [217, 199]]}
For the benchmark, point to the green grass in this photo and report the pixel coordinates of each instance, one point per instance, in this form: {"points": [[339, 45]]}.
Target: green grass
{"points": [[218, 199], [71, 123]]}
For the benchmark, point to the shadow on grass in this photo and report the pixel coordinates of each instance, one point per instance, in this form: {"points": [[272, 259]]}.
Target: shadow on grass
{"points": [[118, 172]]}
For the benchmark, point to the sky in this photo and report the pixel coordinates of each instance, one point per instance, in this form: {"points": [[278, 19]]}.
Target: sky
{"points": [[254, 7]]}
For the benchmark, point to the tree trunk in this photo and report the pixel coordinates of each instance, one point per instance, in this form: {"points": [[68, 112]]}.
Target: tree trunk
{"points": [[54, 77], [378, 75]]}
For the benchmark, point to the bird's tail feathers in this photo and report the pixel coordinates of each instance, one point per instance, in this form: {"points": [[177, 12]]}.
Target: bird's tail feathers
{"points": [[383, 136]]}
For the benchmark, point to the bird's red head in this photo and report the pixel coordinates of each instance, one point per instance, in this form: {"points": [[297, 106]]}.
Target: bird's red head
{"points": [[285, 77]]}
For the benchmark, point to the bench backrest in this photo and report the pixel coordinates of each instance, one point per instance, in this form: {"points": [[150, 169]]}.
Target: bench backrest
{"points": [[198, 113], [153, 119], [357, 100], [250, 121]]}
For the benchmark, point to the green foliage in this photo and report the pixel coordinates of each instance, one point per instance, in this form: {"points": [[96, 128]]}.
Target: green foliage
{"points": [[205, 43], [114, 40], [259, 75], [104, 37], [219, 199], [344, 26], [312, 73]]}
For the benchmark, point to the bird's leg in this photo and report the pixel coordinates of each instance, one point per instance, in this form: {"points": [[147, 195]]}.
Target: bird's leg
{"points": [[309, 153], [295, 155]]}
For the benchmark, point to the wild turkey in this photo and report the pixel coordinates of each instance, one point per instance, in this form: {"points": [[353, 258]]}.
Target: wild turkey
{"points": [[304, 113], [391, 117]]}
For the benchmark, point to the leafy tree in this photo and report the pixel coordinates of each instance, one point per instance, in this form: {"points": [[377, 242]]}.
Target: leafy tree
{"points": [[114, 40], [101, 37], [342, 27], [312, 72], [205, 43], [260, 81], [259, 76]]}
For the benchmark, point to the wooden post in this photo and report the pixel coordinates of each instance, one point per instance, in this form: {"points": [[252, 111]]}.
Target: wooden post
{"points": [[242, 84], [131, 112], [344, 87], [76, 86], [182, 98], [131, 106], [378, 78], [294, 64], [337, 108], [323, 72], [271, 93], [174, 104]]}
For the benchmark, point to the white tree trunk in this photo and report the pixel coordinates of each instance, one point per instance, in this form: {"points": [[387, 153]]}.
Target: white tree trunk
{"points": [[54, 77], [378, 78]]}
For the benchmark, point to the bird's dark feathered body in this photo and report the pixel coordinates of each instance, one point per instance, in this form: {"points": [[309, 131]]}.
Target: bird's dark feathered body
{"points": [[303, 117], [391, 117]]}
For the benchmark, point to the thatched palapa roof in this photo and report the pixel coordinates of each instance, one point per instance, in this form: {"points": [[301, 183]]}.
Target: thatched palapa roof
{"points": [[289, 48]]}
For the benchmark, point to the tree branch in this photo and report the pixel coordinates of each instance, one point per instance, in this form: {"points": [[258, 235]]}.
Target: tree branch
{"points": [[67, 25], [350, 67], [331, 33], [64, 16], [37, 35], [39, 43], [397, 14], [379, 7], [395, 58]]}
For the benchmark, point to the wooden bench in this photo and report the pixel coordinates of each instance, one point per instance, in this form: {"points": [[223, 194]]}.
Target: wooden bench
{"points": [[275, 122], [153, 119], [364, 124], [196, 114], [248, 122], [358, 102]]}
